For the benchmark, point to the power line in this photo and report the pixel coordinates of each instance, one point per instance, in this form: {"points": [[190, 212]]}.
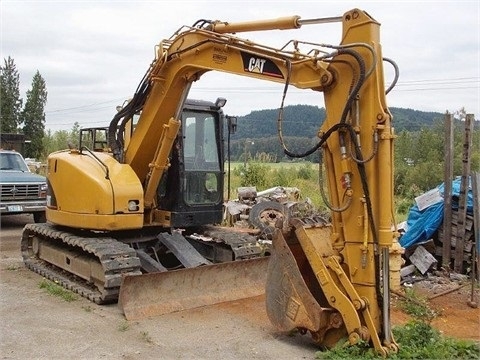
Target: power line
{"points": [[475, 78], [415, 85], [84, 106], [444, 88], [82, 111]]}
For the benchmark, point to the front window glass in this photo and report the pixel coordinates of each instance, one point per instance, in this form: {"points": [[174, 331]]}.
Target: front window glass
{"points": [[13, 162], [200, 139], [201, 158]]}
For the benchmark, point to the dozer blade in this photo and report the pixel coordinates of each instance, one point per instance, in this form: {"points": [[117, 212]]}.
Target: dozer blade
{"points": [[154, 294]]}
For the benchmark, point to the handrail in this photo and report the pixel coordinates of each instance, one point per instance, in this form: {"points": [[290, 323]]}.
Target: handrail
{"points": [[107, 171]]}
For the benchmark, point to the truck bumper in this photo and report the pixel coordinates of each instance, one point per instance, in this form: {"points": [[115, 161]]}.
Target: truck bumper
{"points": [[22, 207]]}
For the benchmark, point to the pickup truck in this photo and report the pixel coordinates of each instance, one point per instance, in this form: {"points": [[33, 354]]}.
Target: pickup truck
{"points": [[21, 191]]}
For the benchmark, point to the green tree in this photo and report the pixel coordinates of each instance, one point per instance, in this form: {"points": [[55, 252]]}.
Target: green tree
{"points": [[48, 144], [33, 116], [10, 101], [74, 136], [54, 141], [60, 140], [430, 146]]}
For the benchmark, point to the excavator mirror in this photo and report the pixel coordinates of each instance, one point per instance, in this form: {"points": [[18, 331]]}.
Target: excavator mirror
{"points": [[232, 124]]}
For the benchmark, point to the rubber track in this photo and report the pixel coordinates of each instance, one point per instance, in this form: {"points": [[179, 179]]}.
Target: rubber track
{"points": [[115, 257]]}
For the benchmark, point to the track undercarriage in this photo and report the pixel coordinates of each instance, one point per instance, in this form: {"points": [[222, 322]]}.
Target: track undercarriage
{"points": [[93, 264]]}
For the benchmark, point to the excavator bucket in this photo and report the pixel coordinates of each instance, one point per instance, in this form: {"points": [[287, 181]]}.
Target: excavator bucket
{"points": [[294, 299], [290, 303], [154, 294]]}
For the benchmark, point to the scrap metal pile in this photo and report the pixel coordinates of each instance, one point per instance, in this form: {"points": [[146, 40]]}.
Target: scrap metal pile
{"points": [[262, 211]]}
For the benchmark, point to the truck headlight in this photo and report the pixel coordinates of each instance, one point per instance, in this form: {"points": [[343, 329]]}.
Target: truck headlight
{"points": [[43, 190]]}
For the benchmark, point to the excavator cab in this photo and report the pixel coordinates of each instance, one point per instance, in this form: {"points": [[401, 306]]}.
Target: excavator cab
{"points": [[192, 187], [94, 138]]}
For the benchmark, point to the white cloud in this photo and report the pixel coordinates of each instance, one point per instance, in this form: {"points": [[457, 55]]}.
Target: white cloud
{"points": [[93, 54]]}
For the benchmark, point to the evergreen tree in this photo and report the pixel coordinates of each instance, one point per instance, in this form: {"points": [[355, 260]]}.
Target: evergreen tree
{"points": [[10, 101], [33, 116]]}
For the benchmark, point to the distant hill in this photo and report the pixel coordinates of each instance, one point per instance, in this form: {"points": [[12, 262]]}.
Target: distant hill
{"points": [[257, 132], [414, 120], [304, 121]]}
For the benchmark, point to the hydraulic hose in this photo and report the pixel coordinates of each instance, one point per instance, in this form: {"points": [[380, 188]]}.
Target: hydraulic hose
{"points": [[346, 109]]}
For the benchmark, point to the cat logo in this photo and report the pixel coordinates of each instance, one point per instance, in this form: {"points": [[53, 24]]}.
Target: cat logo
{"points": [[259, 65], [256, 65]]}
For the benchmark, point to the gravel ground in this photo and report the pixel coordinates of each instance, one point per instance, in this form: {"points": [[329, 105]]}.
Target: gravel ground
{"points": [[36, 325]]}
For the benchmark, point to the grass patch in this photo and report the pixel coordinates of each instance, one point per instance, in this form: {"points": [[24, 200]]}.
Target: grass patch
{"points": [[54, 289], [417, 306], [13, 267], [417, 339], [341, 352], [124, 326]]}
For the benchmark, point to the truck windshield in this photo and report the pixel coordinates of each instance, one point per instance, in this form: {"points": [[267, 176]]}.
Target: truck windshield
{"points": [[12, 162]]}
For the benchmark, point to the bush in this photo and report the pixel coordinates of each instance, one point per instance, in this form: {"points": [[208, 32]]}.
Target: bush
{"points": [[254, 174], [306, 172], [284, 177]]}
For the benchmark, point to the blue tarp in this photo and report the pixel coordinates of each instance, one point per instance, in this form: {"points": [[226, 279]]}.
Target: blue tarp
{"points": [[422, 224]]}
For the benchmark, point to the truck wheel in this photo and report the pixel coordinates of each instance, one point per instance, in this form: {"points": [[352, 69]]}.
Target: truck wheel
{"points": [[39, 217], [265, 214]]}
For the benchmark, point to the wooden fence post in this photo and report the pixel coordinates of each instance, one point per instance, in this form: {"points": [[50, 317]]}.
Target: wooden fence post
{"points": [[476, 218], [447, 196], [464, 185]]}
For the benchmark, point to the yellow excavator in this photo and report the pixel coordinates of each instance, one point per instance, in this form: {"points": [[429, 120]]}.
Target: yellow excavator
{"points": [[132, 216]]}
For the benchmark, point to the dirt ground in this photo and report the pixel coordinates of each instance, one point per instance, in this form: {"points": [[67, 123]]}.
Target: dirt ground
{"points": [[36, 325]]}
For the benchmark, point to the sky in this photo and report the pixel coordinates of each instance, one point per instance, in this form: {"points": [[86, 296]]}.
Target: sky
{"points": [[93, 54]]}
